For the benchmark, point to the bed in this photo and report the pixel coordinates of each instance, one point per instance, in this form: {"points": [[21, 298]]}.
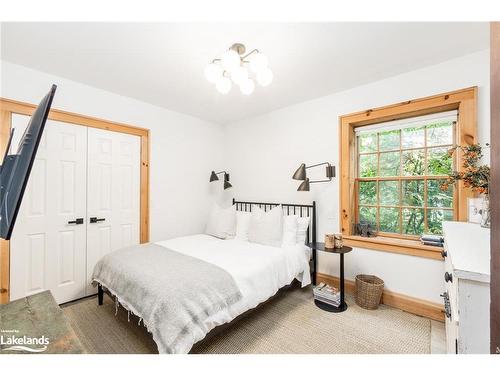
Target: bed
{"points": [[196, 283]]}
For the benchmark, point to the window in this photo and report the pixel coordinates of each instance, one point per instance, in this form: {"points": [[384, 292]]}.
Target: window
{"points": [[392, 160], [400, 166]]}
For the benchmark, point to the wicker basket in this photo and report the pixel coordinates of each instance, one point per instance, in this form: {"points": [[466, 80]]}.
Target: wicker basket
{"points": [[369, 290]]}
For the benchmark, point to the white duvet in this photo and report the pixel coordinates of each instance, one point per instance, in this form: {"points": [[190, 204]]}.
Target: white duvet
{"points": [[259, 271]]}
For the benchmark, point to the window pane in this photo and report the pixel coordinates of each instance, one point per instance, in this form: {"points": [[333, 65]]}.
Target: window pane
{"points": [[389, 192], [389, 164], [435, 220], [368, 215], [413, 193], [368, 192], [436, 197], [440, 133], [413, 163], [389, 140], [413, 137], [367, 142], [367, 165], [389, 219], [439, 161], [413, 221]]}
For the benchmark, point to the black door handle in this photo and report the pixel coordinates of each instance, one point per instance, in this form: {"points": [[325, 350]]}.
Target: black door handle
{"points": [[94, 220], [76, 221]]}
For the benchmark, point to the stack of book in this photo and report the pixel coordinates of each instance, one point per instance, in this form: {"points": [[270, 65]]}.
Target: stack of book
{"points": [[432, 240], [327, 294]]}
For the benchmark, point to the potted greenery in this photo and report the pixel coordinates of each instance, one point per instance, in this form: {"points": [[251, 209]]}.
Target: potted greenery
{"points": [[474, 176]]}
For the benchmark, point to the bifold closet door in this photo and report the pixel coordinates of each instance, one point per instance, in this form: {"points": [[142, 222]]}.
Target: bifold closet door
{"points": [[48, 245], [113, 200]]}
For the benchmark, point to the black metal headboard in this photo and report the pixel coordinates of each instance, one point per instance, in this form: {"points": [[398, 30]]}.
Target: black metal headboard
{"points": [[301, 210]]}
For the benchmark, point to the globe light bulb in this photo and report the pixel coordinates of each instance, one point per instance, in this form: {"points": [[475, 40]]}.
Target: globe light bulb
{"points": [[223, 85], [247, 86], [265, 77], [258, 62], [239, 75], [230, 60], [213, 72]]}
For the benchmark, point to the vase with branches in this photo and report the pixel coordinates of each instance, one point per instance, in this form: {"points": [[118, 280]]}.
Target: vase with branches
{"points": [[475, 177]]}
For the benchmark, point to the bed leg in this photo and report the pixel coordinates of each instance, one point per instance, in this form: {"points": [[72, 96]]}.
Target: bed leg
{"points": [[100, 294]]}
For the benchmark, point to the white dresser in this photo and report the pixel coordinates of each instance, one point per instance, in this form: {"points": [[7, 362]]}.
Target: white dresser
{"points": [[467, 287]]}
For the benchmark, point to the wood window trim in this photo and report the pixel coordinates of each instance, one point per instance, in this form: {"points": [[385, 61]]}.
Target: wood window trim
{"points": [[9, 107], [465, 101]]}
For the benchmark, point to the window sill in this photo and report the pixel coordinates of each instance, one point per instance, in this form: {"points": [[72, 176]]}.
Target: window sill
{"points": [[394, 245]]}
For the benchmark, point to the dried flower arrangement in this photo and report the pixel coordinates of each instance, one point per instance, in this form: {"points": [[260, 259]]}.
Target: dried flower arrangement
{"points": [[475, 177]]}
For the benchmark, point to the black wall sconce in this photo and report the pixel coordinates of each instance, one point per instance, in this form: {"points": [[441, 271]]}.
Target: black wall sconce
{"points": [[301, 174], [227, 184]]}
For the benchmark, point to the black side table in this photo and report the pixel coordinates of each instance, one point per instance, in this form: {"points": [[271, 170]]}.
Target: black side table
{"points": [[320, 246]]}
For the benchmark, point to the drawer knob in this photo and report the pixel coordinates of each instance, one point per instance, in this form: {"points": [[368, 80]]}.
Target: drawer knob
{"points": [[444, 253], [448, 277]]}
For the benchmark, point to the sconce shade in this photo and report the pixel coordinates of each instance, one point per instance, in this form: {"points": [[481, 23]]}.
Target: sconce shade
{"points": [[304, 186], [227, 185], [300, 173], [213, 177]]}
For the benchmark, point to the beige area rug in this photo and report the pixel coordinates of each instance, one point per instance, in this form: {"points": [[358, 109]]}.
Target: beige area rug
{"points": [[290, 323]]}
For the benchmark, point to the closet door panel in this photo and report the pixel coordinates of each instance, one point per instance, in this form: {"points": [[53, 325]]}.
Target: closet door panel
{"points": [[46, 251], [113, 194]]}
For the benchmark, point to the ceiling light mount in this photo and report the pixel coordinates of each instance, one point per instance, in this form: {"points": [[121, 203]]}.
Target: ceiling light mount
{"points": [[239, 48], [235, 66]]}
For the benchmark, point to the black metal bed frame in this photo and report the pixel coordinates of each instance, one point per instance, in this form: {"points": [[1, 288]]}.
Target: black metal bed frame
{"points": [[301, 210]]}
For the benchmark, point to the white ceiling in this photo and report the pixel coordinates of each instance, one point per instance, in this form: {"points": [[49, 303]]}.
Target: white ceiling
{"points": [[163, 63]]}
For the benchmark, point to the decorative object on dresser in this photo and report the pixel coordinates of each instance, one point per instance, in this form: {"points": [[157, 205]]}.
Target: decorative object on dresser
{"points": [[474, 176], [369, 289], [214, 177], [467, 287], [301, 175], [342, 305], [474, 210]]}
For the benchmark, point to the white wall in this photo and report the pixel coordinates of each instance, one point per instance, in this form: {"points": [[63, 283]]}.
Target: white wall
{"points": [[184, 149], [263, 152]]}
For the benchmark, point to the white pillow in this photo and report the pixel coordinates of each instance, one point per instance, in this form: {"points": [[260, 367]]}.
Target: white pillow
{"points": [[266, 227], [302, 225], [221, 222], [290, 226], [242, 225]]}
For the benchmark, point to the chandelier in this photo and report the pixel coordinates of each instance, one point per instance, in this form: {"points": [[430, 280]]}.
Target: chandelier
{"points": [[232, 68]]}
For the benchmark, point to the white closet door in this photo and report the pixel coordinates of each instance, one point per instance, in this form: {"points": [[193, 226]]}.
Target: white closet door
{"points": [[47, 252], [113, 194]]}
